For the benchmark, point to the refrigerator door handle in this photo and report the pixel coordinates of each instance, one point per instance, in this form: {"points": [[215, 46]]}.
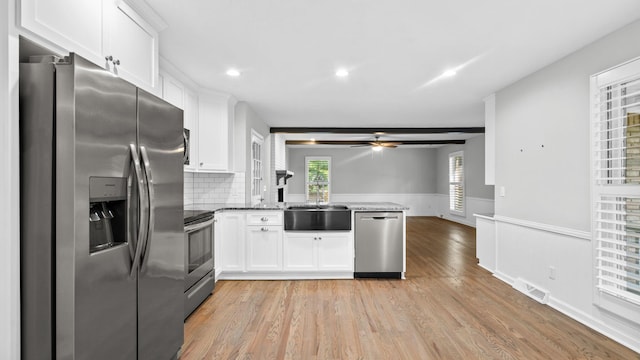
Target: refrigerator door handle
{"points": [[151, 219], [143, 206]]}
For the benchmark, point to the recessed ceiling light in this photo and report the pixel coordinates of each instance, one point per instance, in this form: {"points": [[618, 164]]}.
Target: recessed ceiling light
{"points": [[342, 73], [449, 73], [233, 72]]}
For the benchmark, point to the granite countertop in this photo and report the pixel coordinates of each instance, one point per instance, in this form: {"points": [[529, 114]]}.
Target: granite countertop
{"points": [[354, 206], [231, 206]]}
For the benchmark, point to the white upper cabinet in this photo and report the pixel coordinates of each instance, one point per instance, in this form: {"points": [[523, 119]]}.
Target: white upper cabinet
{"points": [[215, 129], [106, 32], [173, 91], [75, 25], [131, 45]]}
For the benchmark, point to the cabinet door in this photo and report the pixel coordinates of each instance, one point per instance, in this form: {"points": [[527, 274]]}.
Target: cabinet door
{"points": [[213, 132], [335, 251], [233, 238], [191, 123], [299, 251], [173, 91], [134, 42], [74, 25], [264, 248]]}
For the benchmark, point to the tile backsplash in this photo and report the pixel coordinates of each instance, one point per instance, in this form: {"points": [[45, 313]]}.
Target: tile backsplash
{"points": [[202, 188]]}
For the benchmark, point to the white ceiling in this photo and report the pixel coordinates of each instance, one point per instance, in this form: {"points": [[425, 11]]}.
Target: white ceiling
{"points": [[289, 50]]}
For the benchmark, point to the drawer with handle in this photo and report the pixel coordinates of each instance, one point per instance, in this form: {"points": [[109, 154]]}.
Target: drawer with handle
{"points": [[264, 218]]}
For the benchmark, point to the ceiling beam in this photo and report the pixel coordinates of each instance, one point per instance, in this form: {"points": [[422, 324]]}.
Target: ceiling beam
{"points": [[356, 142], [378, 131]]}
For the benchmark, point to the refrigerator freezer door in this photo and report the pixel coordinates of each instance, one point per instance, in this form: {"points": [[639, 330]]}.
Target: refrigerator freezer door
{"points": [[161, 277], [95, 296]]}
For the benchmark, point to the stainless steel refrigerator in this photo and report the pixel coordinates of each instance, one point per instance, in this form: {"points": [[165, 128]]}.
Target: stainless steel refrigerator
{"points": [[102, 253]]}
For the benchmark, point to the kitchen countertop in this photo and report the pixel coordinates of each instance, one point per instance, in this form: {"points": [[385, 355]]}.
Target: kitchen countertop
{"points": [[354, 206]]}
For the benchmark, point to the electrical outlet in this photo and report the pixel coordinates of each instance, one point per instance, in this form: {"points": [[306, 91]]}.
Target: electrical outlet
{"points": [[552, 272], [503, 191]]}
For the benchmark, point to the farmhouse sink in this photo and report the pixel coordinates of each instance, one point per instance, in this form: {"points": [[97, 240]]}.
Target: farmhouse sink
{"points": [[317, 218], [317, 207]]}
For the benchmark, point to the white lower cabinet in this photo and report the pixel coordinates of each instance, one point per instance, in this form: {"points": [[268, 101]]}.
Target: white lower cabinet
{"points": [[318, 251], [253, 245], [232, 242], [264, 248]]}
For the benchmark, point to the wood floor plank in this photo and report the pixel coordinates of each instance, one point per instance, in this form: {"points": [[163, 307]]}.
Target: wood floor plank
{"points": [[447, 308]]}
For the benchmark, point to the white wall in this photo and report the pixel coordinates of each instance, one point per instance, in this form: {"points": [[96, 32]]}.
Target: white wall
{"points": [[417, 178], [362, 171], [9, 206], [402, 175], [542, 161]]}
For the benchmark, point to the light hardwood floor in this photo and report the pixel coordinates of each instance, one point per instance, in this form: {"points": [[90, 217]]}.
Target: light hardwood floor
{"points": [[447, 308]]}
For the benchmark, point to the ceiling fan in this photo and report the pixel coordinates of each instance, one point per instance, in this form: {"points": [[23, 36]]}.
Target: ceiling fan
{"points": [[379, 145]]}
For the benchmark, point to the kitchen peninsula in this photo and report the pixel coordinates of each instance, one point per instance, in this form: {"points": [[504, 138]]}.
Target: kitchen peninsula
{"points": [[251, 243]]}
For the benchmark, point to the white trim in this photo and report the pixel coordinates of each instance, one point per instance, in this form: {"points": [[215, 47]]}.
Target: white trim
{"points": [[484, 216], [584, 235], [9, 184], [490, 139], [151, 16], [280, 275], [587, 320], [582, 317]]}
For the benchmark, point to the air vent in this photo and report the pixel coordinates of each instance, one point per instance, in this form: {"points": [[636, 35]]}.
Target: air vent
{"points": [[532, 291]]}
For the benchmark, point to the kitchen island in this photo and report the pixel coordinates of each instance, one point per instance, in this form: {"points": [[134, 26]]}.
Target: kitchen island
{"points": [[251, 243]]}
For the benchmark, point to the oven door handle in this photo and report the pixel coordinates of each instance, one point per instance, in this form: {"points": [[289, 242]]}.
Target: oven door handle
{"points": [[199, 226]]}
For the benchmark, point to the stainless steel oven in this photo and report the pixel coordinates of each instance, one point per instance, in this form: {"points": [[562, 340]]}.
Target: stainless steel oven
{"points": [[198, 258]]}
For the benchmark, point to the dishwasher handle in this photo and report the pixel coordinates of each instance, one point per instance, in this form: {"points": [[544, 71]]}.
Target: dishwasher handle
{"points": [[379, 218]]}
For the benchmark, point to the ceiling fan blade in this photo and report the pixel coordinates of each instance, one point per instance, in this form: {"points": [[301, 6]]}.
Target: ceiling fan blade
{"points": [[390, 144], [363, 145]]}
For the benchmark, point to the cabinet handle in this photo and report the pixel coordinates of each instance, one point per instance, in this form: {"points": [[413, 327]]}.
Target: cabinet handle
{"points": [[108, 58], [319, 238], [201, 163], [315, 238], [265, 219], [116, 62], [264, 229]]}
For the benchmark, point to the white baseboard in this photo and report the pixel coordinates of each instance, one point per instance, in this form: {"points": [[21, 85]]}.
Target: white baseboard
{"points": [[282, 275], [623, 338], [526, 249]]}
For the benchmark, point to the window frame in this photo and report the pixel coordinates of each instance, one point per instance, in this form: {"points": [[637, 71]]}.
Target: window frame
{"points": [[602, 189], [307, 159], [461, 183], [257, 168]]}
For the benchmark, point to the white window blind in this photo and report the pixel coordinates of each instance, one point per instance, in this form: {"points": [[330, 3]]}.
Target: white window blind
{"points": [[456, 183], [616, 178]]}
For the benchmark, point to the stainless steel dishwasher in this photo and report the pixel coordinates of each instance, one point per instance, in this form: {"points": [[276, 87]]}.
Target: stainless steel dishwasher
{"points": [[379, 244]]}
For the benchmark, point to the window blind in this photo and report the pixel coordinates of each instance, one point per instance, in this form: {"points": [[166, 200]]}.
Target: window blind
{"points": [[456, 182], [616, 156]]}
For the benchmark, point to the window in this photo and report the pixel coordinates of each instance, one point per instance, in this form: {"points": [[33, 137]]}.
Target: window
{"points": [[616, 186], [456, 183], [256, 168], [318, 178]]}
